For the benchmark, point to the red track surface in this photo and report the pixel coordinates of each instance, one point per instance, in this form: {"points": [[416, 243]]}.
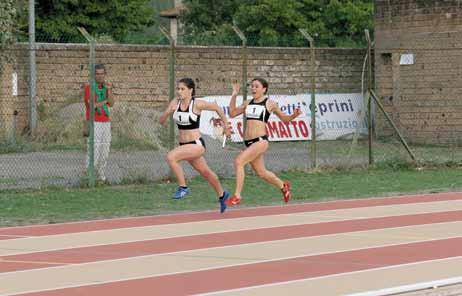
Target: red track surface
{"points": [[233, 276]]}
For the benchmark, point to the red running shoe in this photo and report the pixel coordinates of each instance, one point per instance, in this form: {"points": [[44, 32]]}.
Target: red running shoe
{"points": [[233, 200], [286, 191]]}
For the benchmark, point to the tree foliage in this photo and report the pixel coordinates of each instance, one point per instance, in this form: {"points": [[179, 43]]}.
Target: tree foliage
{"points": [[57, 20], [276, 22], [7, 27]]}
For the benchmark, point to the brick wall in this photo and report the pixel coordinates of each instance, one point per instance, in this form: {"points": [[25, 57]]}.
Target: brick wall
{"points": [[5, 88], [425, 98], [140, 73], [13, 106]]}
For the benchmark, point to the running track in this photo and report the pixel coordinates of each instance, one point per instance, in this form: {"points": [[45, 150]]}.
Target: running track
{"points": [[330, 248]]}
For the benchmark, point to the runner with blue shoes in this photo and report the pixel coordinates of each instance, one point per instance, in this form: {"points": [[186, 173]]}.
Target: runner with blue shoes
{"points": [[186, 112]]}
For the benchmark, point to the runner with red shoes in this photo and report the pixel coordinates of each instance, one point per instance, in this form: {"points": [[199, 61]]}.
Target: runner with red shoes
{"points": [[257, 112]]}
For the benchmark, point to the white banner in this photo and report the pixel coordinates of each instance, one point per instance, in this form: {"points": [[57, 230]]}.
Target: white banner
{"points": [[337, 117]]}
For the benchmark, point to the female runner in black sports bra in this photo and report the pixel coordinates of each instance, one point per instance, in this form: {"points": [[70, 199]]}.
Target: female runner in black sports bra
{"points": [[257, 112], [186, 112]]}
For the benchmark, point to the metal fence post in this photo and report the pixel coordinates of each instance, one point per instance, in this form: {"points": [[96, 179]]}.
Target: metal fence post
{"points": [[244, 68], [373, 96], [393, 125], [369, 88], [91, 136], [171, 83], [32, 70], [313, 95]]}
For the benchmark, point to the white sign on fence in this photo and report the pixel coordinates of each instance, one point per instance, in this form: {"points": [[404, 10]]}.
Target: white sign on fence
{"points": [[337, 117], [14, 82]]}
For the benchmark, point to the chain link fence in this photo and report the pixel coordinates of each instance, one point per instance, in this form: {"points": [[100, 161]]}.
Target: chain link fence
{"points": [[144, 80]]}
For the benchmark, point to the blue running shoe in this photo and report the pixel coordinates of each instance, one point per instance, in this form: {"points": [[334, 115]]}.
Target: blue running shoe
{"points": [[223, 201], [180, 193]]}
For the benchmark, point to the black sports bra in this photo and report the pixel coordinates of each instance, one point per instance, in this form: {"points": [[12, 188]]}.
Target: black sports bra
{"points": [[257, 111], [186, 120]]}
